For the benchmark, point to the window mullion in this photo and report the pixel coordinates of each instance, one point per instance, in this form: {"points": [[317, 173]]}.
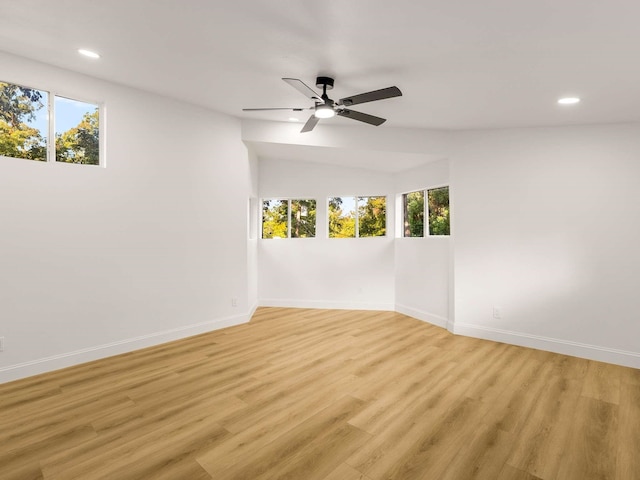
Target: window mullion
{"points": [[425, 213], [51, 140], [289, 219], [357, 226]]}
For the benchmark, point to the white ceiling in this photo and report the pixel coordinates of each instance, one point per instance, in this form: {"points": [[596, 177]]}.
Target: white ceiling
{"points": [[354, 158], [460, 64]]}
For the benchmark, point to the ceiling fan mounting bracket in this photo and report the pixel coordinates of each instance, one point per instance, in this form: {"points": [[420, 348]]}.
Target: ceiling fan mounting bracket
{"points": [[322, 82]]}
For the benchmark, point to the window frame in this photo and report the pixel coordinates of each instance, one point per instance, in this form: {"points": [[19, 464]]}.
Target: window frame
{"points": [[101, 128], [288, 200], [357, 215], [425, 224], [51, 129]]}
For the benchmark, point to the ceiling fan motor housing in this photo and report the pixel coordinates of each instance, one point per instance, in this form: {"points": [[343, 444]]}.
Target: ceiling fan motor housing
{"points": [[322, 82]]}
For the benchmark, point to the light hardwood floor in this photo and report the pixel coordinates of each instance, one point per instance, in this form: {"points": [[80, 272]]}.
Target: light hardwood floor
{"points": [[325, 395]]}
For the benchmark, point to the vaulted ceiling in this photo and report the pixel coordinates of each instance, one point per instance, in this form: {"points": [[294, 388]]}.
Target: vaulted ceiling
{"points": [[461, 64]]}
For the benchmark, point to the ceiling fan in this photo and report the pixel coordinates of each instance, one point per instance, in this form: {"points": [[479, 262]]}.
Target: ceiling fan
{"points": [[327, 108]]}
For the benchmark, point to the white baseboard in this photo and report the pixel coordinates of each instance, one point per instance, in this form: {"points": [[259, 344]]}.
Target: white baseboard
{"points": [[267, 302], [565, 347], [56, 362], [431, 318]]}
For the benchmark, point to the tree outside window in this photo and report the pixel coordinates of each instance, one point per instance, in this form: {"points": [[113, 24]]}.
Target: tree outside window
{"points": [[79, 143], [278, 214], [439, 221], [372, 216], [24, 126], [436, 210], [21, 136], [351, 217], [413, 207], [342, 217], [303, 218], [275, 216]]}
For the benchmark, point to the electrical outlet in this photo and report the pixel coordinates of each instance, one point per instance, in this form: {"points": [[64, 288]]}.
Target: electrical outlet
{"points": [[497, 312], [234, 301], [1, 344]]}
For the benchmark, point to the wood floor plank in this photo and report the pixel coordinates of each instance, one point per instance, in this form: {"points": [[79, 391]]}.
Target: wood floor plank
{"points": [[511, 473], [482, 456], [398, 440], [269, 422], [25, 462], [593, 437], [628, 441], [274, 459], [325, 395], [602, 382], [346, 472], [543, 431]]}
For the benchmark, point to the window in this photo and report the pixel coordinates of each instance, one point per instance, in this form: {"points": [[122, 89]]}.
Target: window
{"points": [[24, 122], [413, 206], [275, 214], [25, 131], [372, 216], [303, 218], [436, 210], [280, 214], [342, 217], [351, 217], [438, 199], [77, 131]]}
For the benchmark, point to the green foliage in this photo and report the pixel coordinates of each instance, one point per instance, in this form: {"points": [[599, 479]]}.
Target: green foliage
{"points": [[413, 214], [372, 216], [303, 218], [18, 105], [341, 225], [22, 142], [274, 218], [18, 139], [80, 144], [439, 211]]}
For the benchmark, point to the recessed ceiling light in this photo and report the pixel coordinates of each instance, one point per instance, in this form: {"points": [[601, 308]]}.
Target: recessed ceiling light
{"points": [[293, 119], [88, 53], [568, 100]]}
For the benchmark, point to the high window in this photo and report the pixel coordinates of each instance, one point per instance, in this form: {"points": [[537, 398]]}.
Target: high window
{"points": [[353, 217], [24, 125], [77, 131], [288, 218], [25, 130], [435, 210]]}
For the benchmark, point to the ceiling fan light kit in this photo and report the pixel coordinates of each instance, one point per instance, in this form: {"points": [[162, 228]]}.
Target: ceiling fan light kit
{"points": [[324, 111], [326, 108]]}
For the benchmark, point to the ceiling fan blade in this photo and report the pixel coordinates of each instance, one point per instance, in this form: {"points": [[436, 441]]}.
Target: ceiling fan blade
{"points": [[311, 123], [304, 89], [361, 117], [261, 109], [381, 94]]}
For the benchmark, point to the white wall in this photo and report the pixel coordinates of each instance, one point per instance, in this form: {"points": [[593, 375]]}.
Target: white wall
{"points": [[547, 227], [252, 230], [325, 272], [422, 265], [96, 261]]}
